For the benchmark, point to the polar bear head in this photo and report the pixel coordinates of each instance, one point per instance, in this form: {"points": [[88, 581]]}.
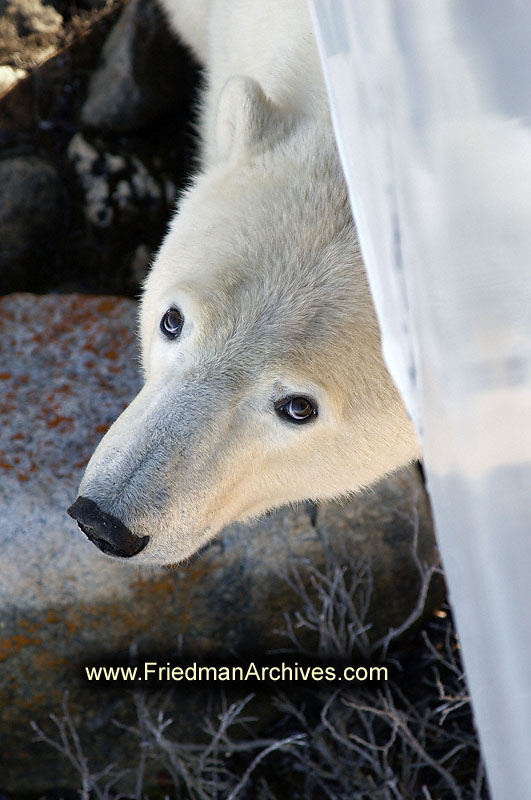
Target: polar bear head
{"points": [[264, 379]]}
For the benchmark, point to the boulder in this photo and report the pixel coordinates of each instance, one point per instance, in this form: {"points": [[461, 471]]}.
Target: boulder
{"points": [[68, 366], [30, 31], [9, 77], [143, 72], [31, 209], [114, 186]]}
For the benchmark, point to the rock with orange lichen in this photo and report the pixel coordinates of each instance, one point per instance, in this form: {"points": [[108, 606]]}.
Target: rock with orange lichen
{"points": [[62, 382], [68, 367]]}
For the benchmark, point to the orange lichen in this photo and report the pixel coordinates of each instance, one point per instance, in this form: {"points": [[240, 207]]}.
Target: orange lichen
{"points": [[11, 645], [71, 626], [30, 626], [106, 305], [57, 420], [48, 660], [164, 584], [91, 348]]}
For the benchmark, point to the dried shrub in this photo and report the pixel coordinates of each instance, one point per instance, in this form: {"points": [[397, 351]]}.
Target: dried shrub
{"points": [[410, 737]]}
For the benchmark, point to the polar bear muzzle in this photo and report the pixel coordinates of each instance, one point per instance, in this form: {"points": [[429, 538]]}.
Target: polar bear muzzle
{"points": [[106, 531]]}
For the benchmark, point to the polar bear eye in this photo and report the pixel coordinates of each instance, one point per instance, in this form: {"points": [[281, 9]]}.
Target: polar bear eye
{"points": [[172, 323], [296, 409]]}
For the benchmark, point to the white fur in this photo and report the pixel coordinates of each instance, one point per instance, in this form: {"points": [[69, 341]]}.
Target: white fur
{"points": [[263, 261]]}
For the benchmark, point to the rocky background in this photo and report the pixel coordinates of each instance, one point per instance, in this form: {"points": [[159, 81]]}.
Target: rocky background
{"points": [[91, 158], [96, 140]]}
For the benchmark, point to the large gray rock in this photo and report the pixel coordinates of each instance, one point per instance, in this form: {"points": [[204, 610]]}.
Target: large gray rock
{"points": [[67, 369], [31, 207], [114, 186], [143, 71]]}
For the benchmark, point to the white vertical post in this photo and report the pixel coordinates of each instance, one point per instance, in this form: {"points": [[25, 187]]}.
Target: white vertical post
{"points": [[431, 103]]}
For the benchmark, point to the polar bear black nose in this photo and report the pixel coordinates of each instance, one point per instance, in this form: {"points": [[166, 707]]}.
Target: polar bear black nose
{"points": [[105, 530]]}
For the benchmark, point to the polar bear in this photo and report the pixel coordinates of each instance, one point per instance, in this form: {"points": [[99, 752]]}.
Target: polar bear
{"points": [[264, 378]]}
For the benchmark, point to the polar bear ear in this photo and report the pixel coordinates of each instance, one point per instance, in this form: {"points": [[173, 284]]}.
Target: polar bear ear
{"points": [[246, 119]]}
